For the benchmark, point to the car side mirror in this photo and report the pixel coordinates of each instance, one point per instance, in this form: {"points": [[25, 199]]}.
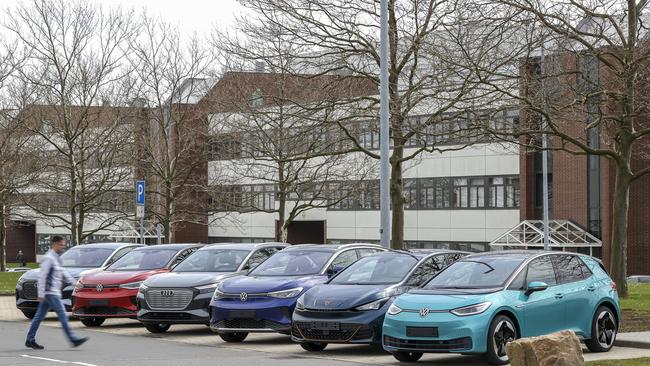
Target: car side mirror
{"points": [[334, 270], [535, 286]]}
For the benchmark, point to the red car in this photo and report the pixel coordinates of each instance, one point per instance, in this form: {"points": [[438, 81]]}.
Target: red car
{"points": [[112, 293]]}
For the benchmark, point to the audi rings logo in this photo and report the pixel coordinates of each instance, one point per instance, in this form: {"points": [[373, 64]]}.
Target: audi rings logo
{"points": [[424, 312], [243, 296], [99, 288], [167, 293]]}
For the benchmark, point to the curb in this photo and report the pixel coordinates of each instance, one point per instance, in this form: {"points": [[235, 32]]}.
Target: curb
{"points": [[632, 343]]}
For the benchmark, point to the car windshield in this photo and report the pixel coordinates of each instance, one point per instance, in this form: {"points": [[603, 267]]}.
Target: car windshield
{"points": [[475, 273], [376, 270], [293, 263], [85, 256], [141, 260], [213, 260]]}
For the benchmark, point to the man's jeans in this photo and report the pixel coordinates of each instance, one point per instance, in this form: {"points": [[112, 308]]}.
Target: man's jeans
{"points": [[50, 302]]}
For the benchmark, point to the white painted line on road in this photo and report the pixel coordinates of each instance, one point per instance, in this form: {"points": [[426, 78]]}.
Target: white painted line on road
{"points": [[59, 361]]}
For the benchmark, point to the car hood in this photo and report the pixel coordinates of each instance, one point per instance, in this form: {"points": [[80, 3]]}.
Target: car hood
{"points": [[341, 297], [263, 284], [76, 272], [438, 300], [119, 277], [188, 279]]}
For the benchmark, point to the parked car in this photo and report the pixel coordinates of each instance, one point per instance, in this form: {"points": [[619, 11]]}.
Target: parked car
{"points": [[483, 301], [76, 260], [350, 307], [111, 293], [18, 269], [183, 295], [263, 301]]}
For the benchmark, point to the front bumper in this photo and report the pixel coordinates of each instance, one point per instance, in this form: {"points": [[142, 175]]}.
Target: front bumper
{"points": [[112, 302], [196, 312], [256, 315], [27, 297], [454, 334], [361, 327]]}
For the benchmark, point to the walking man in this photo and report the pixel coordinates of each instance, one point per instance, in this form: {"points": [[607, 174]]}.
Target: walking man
{"points": [[20, 258], [50, 281]]}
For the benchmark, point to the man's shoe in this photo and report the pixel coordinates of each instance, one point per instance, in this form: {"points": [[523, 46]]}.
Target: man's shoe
{"points": [[33, 345], [79, 342]]}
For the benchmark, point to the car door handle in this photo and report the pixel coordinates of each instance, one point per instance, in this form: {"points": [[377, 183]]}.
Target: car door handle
{"points": [[591, 288], [559, 296]]}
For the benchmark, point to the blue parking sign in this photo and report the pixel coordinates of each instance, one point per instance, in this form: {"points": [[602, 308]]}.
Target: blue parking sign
{"points": [[139, 192]]}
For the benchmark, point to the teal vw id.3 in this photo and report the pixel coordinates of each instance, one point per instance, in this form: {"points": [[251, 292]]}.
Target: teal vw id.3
{"points": [[483, 301]]}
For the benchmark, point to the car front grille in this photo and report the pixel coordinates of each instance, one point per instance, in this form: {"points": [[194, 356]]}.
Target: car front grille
{"points": [[169, 299], [30, 290], [166, 316], [464, 343], [250, 324], [346, 332], [104, 310]]}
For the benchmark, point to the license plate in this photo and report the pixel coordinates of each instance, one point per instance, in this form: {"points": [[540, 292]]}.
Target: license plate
{"points": [[325, 326], [421, 331], [98, 302], [246, 314]]}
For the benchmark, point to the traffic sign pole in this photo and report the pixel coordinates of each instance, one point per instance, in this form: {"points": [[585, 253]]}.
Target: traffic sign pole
{"points": [[139, 203]]}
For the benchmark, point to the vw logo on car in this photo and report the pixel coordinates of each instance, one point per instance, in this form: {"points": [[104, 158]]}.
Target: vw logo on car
{"points": [[99, 288], [424, 312], [243, 296]]}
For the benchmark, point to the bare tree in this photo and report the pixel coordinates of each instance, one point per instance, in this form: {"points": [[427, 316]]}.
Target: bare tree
{"points": [[170, 78], [430, 93], [72, 72], [588, 93]]}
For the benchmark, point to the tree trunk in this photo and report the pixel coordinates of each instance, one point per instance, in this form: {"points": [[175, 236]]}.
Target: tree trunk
{"points": [[619, 230], [3, 235], [282, 235], [397, 198]]}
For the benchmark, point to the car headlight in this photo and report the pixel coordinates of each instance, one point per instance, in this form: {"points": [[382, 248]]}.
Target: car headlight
{"points": [[217, 294], [285, 294], [471, 309], [21, 280], [207, 288], [131, 285], [373, 305], [300, 304], [394, 310], [78, 286]]}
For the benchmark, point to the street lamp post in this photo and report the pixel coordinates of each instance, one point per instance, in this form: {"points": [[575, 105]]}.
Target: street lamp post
{"points": [[384, 131]]}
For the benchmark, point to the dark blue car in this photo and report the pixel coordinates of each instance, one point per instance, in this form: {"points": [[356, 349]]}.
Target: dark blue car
{"points": [[350, 308], [264, 300]]}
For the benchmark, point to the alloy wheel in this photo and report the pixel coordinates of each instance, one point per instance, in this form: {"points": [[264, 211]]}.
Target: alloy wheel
{"points": [[504, 332], [606, 329]]}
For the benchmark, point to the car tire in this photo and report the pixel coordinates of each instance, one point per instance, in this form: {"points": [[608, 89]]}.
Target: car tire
{"points": [[92, 322], [29, 314], [313, 346], [603, 330], [405, 356], [157, 327], [501, 331], [233, 337]]}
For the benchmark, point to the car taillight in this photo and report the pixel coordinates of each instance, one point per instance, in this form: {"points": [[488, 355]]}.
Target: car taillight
{"points": [[613, 285]]}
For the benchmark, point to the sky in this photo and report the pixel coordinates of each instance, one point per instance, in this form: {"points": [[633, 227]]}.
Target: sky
{"points": [[190, 16]]}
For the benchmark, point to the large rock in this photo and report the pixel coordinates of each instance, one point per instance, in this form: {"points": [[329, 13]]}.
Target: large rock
{"points": [[557, 349]]}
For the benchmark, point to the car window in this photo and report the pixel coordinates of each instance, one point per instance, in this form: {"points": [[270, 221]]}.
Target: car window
{"points": [[144, 259], [260, 256], [293, 263], [568, 268], [363, 252], [541, 269], [586, 272], [452, 257], [86, 256], [184, 254], [519, 283], [120, 253], [426, 270], [213, 260], [475, 273], [344, 259], [376, 270]]}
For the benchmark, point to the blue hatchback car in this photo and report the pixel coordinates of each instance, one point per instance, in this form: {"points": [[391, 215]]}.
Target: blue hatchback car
{"points": [[483, 301], [264, 300], [350, 308]]}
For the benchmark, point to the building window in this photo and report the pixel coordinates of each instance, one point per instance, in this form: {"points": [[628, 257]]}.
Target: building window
{"points": [[369, 195], [503, 192], [410, 191], [460, 190], [477, 192]]}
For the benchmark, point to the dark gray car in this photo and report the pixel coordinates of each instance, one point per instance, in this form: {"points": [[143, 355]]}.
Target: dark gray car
{"points": [[183, 295], [77, 260]]}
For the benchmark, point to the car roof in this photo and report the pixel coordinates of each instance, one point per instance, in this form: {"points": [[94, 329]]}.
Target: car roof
{"points": [[418, 254], [169, 246], [514, 254], [246, 246], [332, 247], [107, 245]]}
